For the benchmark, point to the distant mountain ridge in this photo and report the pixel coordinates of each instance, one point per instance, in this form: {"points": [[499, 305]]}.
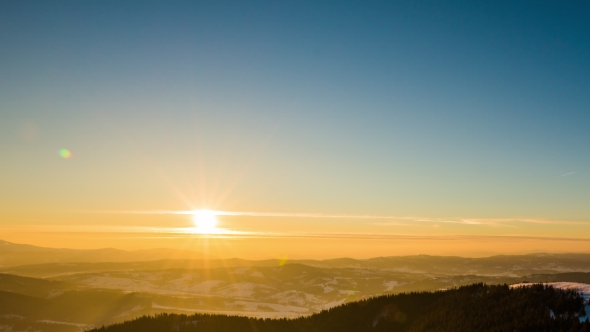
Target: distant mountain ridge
{"points": [[12, 254]]}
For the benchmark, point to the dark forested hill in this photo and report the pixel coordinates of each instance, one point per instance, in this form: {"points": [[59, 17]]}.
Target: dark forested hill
{"points": [[477, 307]]}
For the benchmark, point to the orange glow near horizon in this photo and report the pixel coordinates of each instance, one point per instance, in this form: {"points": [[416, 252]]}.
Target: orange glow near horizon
{"points": [[230, 243], [263, 234]]}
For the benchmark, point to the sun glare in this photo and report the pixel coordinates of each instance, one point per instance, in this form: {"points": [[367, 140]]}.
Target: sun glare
{"points": [[205, 221]]}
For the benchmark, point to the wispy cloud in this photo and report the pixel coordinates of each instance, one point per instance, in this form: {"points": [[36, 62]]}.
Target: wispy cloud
{"points": [[389, 223], [175, 232], [567, 174], [388, 219]]}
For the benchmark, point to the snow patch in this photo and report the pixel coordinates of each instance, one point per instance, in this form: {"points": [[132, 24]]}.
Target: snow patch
{"points": [[390, 285], [82, 326]]}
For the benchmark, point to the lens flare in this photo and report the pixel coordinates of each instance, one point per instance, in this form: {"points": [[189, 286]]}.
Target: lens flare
{"points": [[65, 153]]}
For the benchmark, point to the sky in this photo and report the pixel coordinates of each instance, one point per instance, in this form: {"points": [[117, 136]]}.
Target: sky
{"points": [[320, 128]]}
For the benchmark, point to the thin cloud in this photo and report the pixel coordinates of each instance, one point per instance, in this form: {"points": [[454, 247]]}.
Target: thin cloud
{"points": [[390, 223], [302, 215], [570, 173], [392, 220], [176, 233], [527, 221]]}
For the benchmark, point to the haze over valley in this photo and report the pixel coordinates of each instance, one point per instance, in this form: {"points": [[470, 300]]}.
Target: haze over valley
{"points": [[56, 294]]}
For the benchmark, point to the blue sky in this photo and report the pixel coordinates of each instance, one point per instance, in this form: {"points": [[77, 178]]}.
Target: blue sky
{"points": [[434, 109]]}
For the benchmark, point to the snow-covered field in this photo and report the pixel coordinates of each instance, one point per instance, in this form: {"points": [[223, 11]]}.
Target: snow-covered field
{"points": [[290, 289]]}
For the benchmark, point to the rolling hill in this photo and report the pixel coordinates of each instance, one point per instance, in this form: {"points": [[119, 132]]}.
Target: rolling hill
{"points": [[477, 307]]}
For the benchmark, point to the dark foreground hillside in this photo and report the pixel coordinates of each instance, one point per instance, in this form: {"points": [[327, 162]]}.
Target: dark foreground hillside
{"points": [[477, 307]]}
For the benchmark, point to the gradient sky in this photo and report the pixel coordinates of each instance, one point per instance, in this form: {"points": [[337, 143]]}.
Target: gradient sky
{"points": [[450, 118]]}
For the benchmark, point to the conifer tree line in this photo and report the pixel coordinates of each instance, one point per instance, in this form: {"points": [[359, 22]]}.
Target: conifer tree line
{"points": [[477, 307]]}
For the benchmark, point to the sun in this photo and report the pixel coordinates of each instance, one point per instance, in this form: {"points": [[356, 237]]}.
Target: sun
{"points": [[205, 221]]}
